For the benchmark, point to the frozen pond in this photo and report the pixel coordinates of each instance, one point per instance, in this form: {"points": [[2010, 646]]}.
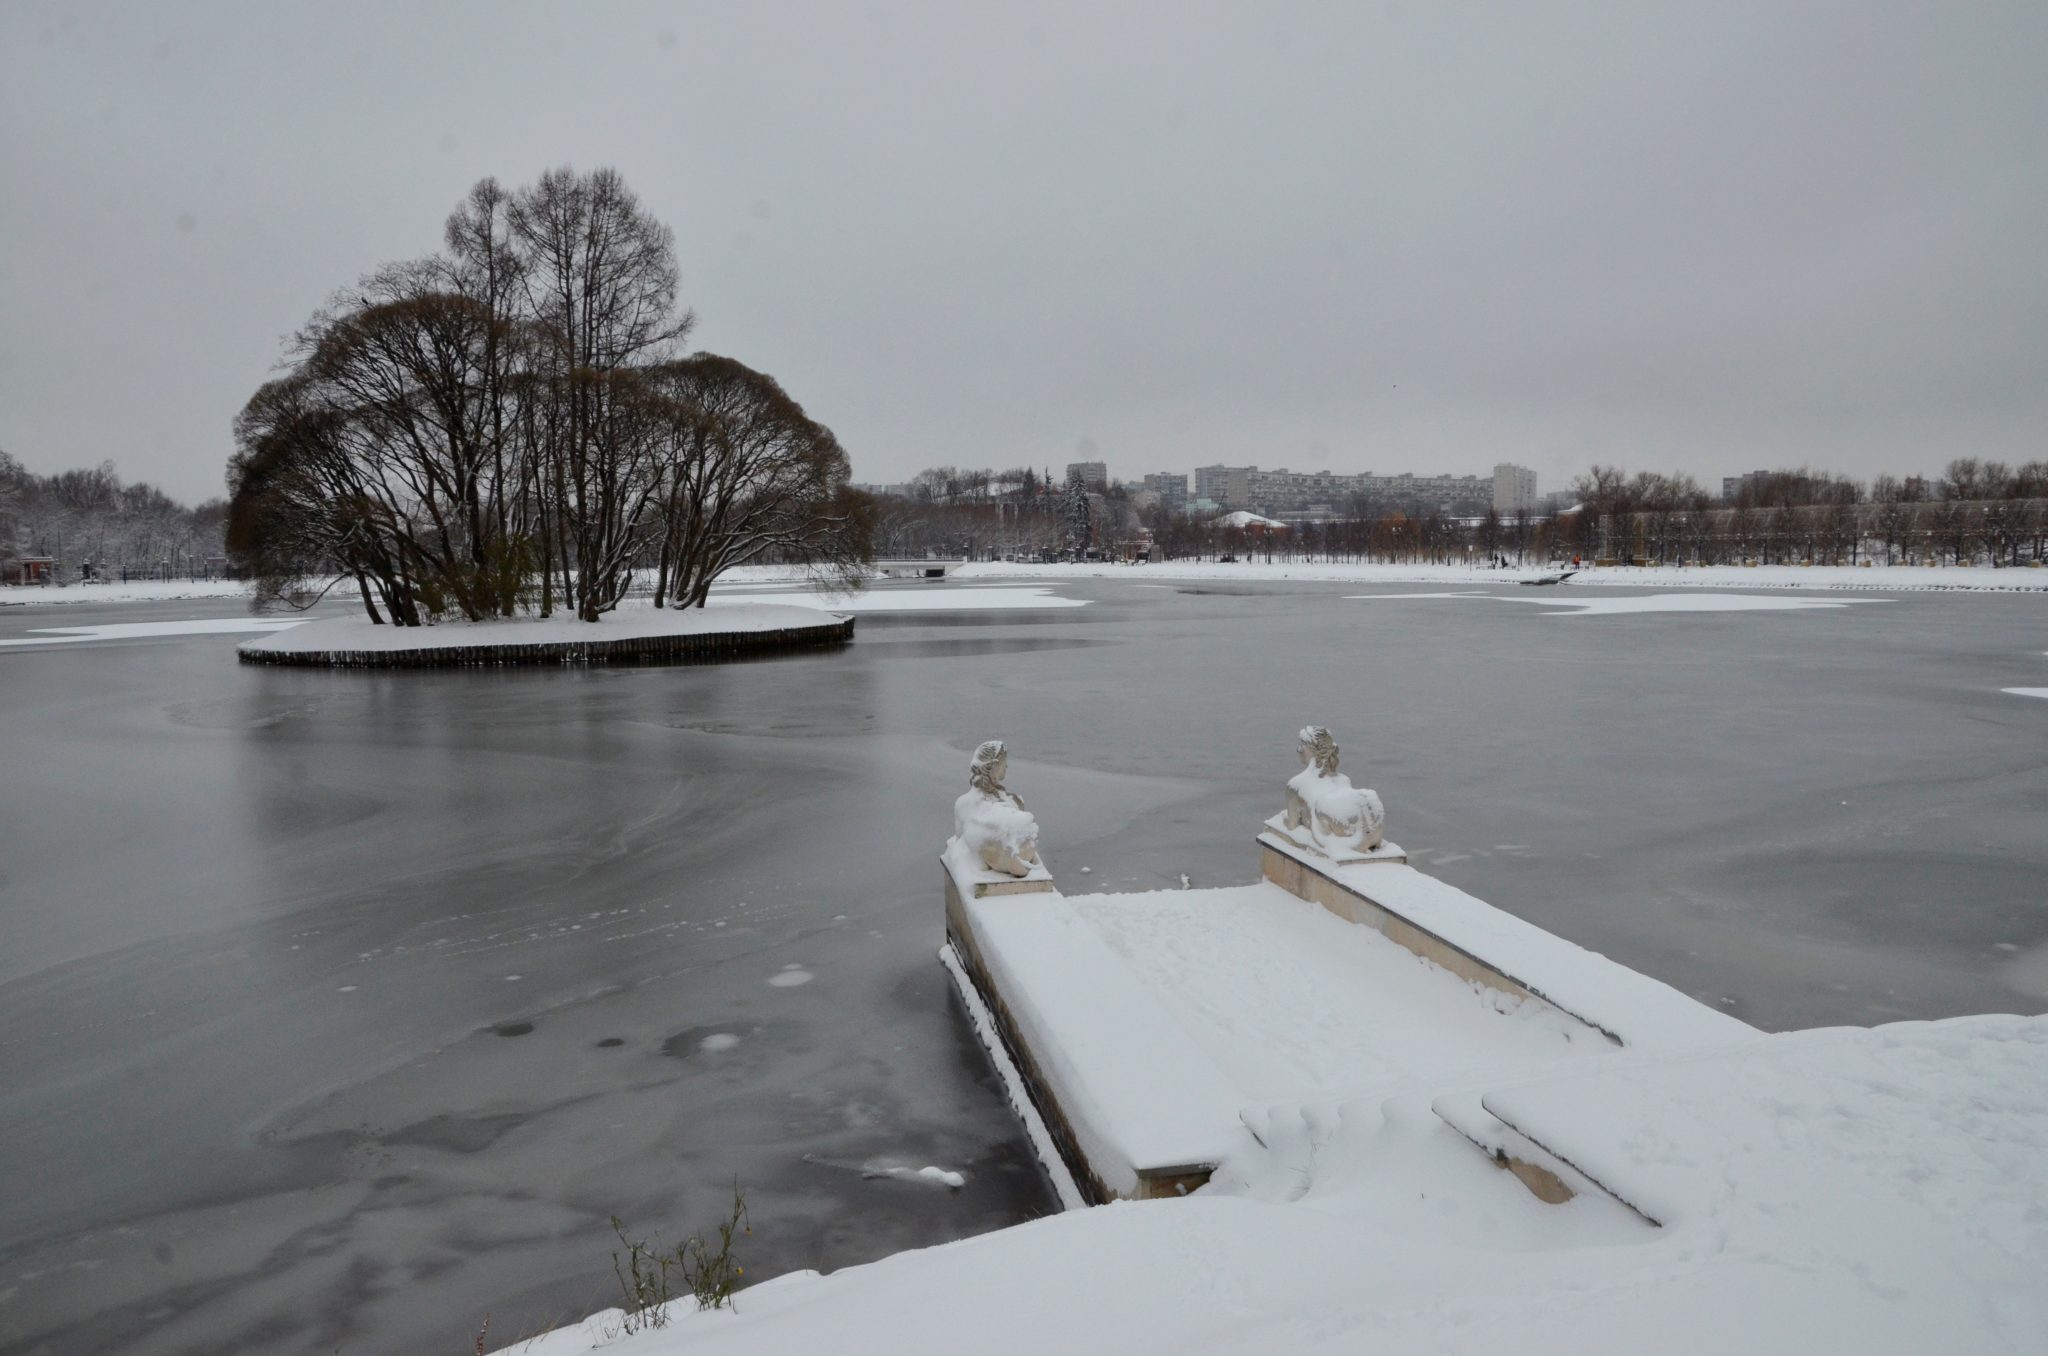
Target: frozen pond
{"points": [[339, 1010]]}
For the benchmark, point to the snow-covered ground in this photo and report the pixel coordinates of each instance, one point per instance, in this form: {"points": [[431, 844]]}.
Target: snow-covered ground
{"points": [[1712, 576], [1875, 1191], [140, 591], [632, 620]]}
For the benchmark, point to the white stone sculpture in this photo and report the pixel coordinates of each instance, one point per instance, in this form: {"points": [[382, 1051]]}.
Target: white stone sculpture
{"points": [[1324, 810], [990, 821]]}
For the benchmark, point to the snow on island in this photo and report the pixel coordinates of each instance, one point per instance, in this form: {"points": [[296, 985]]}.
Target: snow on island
{"points": [[634, 632]]}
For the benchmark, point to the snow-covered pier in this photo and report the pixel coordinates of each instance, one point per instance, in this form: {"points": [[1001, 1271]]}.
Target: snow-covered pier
{"points": [[1149, 1029], [1334, 1065]]}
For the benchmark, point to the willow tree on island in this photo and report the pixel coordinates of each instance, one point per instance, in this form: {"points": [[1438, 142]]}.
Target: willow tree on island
{"points": [[513, 425]]}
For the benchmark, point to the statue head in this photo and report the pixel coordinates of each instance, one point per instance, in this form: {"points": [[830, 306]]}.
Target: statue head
{"points": [[1318, 748], [990, 764]]}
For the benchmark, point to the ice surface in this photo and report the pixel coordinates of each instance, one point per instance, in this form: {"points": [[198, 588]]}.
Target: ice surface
{"points": [[196, 626]]}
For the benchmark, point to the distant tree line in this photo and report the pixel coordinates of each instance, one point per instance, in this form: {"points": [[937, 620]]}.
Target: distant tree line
{"points": [[92, 525], [1974, 511], [514, 424]]}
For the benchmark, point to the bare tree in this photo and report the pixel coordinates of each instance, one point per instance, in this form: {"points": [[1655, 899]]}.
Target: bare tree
{"points": [[749, 477], [600, 289]]}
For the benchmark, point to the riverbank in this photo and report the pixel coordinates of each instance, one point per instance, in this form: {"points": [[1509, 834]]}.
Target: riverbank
{"points": [[1896, 578]]}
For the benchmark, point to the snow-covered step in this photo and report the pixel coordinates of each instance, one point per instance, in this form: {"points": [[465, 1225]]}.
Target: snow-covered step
{"points": [[1549, 1178]]}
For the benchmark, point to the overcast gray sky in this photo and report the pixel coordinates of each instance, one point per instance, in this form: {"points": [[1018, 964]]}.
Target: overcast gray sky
{"points": [[1709, 236]]}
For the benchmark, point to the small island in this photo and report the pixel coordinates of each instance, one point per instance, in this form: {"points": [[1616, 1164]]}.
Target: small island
{"points": [[507, 452], [631, 634]]}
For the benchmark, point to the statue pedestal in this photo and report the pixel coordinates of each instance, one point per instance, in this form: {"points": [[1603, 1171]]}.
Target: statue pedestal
{"points": [[969, 878], [1300, 842]]}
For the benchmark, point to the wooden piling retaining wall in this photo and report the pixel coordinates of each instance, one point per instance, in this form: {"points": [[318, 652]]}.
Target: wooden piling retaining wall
{"points": [[706, 647]]}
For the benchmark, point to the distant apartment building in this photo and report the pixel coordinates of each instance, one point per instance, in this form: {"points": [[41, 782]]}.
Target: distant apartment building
{"points": [[1094, 474], [1171, 491], [1451, 494], [1322, 495], [1281, 490], [1733, 486], [1514, 488], [1230, 486]]}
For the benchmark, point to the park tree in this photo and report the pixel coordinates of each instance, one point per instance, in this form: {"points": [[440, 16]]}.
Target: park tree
{"points": [[512, 423], [748, 477], [1074, 510]]}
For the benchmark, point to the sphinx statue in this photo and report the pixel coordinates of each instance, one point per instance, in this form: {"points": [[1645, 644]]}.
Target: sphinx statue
{"points": [[1324, 810], [990, 820]]}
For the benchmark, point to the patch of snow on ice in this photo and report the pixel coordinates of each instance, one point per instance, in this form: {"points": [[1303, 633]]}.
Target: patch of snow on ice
{"points": [[1585, 606], [791, 976], [913, 599], [2026, 691], [196, 626], [717, 1041]]}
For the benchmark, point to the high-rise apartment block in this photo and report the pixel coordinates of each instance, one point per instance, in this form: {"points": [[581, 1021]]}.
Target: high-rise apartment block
{"points": [[1227, 486], [1514, 488], [1171, 489]]}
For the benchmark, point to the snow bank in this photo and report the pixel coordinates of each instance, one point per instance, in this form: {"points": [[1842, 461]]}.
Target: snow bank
{"points": [[1909, 1156], [1880, 578], [632, 620]]}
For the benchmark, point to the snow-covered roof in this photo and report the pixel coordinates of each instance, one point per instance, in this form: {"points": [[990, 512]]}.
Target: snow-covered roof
{"points": [[1246, 518]]}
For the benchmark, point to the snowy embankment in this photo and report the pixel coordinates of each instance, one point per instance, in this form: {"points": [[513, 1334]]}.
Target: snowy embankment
{"points": [[139, 591], [1893, 579], [1880, 1191], [634, 630]]}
